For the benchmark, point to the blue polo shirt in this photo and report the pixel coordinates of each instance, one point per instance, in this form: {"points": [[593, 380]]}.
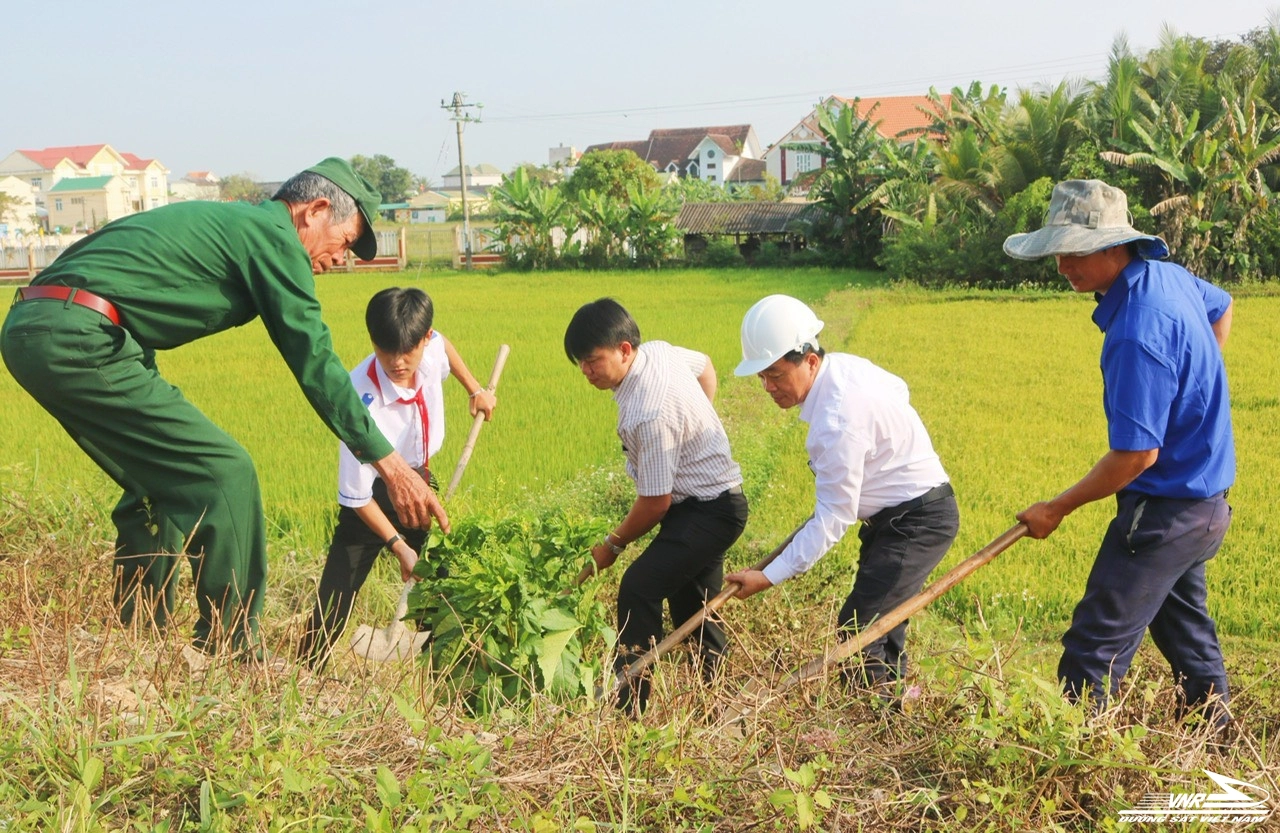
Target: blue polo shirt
{"points": [[1164, 383]]}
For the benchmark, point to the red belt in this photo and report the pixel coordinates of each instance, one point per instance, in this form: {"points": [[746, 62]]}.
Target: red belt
{"points": [[83, 297]]}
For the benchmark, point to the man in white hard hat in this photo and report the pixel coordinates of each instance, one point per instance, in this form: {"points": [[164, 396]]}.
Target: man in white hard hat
{"points": [[873, 462], [1171, 454]]}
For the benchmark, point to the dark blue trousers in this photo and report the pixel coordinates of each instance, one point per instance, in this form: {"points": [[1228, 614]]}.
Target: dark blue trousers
{"points": [[898, 552], [1149, 574]]}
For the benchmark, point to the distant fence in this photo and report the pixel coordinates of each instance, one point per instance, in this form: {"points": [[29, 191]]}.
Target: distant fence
{"points": [[25, 262], [486, 248], [390, 257]]}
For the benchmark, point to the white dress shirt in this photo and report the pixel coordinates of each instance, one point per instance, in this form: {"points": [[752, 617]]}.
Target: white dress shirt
{"points": [[868, 451], [399, 422], [673, 439]]}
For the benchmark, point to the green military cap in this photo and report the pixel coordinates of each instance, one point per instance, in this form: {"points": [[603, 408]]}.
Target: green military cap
{"points": [[340, 173]]}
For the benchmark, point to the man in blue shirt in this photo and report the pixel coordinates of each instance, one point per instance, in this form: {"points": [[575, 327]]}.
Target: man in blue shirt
{"points": [[1171, 457]]}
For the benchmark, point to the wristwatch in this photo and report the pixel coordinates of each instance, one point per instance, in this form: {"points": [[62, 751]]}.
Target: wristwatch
{"points": [[614, 548]]}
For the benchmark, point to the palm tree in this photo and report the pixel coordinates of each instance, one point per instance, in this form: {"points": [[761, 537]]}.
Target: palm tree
{"points": [[1038, 133], [604, 220], [1116, 101]]}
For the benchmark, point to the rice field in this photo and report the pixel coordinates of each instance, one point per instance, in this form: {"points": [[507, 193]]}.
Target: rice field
{"points": [[1007, 384]]}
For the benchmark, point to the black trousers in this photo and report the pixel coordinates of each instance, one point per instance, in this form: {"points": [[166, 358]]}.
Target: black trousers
{"points": [[898, 553], [683, 565], [352, 553]]}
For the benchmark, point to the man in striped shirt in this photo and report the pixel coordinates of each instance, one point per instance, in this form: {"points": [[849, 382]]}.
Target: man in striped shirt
{"points": [[687, 483]]}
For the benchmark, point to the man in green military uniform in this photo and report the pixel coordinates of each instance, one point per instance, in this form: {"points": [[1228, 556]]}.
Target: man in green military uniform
{"points": [[82, 340]]}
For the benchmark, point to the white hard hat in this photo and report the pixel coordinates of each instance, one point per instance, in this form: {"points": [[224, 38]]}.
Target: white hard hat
{"points": [[775, 326]]}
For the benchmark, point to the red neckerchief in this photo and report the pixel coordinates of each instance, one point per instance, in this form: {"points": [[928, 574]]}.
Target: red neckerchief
{"points": [[416, 399]]}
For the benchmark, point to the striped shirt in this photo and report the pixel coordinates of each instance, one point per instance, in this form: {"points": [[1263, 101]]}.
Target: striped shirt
{"points": [[674, 442]]}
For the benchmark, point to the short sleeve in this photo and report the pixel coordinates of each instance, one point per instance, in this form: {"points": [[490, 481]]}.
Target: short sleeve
{"points": [[656, 455], [695, 361], [1139, 392], [1216, 299]]}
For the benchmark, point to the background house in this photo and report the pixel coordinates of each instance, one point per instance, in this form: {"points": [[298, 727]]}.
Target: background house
{"points": [[87, 203], [709, 153], [196, 185], [480, 177], [17, 221], [896, 117], [563, 157], [427, 207], [145, 181]]}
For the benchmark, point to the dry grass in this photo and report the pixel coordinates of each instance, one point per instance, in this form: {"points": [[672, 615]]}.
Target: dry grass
{"points": [[988, 744]]}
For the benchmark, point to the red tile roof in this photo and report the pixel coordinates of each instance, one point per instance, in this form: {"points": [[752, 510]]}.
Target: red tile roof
{"points": [[79, 155], [48, 157], [748, 170], [897, 114], [136, 163], [677, 144]]}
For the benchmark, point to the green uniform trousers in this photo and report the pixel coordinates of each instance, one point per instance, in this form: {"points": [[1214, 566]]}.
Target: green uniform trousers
{"points": [[188, 486]]}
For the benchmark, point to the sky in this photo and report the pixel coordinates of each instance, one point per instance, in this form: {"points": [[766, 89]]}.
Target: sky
{"points": [[271, 87]]}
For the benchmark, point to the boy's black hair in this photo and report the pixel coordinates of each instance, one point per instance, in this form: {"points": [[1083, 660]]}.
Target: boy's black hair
{"points": [[601, 323], [399, 319]]}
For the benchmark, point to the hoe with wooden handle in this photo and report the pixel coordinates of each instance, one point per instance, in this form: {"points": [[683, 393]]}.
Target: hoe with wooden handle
{"points": [[395, 641], [757, 694]]}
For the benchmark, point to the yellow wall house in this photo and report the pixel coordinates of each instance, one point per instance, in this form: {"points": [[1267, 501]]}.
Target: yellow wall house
{"points": [[146, 179], [88, 203]]}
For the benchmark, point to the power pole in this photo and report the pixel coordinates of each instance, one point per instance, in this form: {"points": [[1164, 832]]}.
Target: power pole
{"points": [[460, 116]]}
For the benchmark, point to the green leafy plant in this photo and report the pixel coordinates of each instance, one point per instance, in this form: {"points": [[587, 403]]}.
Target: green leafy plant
{"points": [[501, 621]]}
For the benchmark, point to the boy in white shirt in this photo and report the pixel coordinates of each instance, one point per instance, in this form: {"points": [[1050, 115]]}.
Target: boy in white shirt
{"points": [[401, 385]]}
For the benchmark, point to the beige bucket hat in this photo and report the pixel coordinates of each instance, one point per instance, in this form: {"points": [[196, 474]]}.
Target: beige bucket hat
{"points": [[1085, 216]]}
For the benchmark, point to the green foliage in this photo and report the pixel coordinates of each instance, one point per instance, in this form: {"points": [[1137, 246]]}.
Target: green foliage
{"points": [[393, 182], [604, 220], [802, 802], [721, 252], [650, 233], [242, 188], [972, 253], [611, 173], [502, 622], [848, 185], [1007, 383]]}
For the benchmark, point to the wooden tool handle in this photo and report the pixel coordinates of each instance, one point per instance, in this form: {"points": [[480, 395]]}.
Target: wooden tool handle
{"points": [[476, 424], [755, 694], [636, 668]]}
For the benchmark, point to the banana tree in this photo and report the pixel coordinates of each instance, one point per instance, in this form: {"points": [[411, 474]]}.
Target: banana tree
{"points": [[528, 215]]}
